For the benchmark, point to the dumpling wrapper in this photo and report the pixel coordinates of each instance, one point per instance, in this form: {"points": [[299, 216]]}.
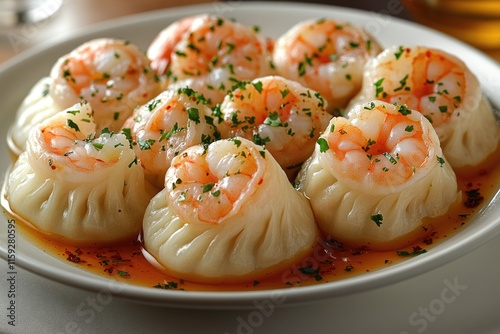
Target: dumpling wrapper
{"points": [[84, 189], [381, 211], [269, 226]]}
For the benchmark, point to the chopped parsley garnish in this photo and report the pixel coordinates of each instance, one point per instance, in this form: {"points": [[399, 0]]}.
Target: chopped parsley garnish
{"points": [[417, 250], [403, 110], [390, 158], [166, 286], [474, 198], [98, 146], [236, 142], [377, 219], [273, 119], [207, 187], [73, 125], [378, 87], [123, 273], [145, 144], [194, 115], [399, 52], [311, 272], [153, 104], [323, 145], [258, 86], [370, 107]]}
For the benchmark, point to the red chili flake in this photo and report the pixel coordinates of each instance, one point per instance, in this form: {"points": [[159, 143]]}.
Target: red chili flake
{"points": [[74, 258], [427, 241]]}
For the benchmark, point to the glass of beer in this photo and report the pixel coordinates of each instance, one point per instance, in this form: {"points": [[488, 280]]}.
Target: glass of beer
{"points": [[476, 22]]}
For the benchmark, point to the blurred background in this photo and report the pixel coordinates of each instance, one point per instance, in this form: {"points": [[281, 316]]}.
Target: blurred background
{"points": [[24, 23]]}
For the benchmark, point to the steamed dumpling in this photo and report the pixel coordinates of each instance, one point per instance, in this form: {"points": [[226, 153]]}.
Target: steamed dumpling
{"points": [[72, 184], [441, 87], [375, 176], [326, 55], [227, 212], [36, 107], [278, 113], [209, 54], [113, 75], [172, 121]]}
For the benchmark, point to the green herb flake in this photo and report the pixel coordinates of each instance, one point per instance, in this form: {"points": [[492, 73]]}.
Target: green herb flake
{"points": [[166, 286], [403, 110], [417, 250], [370, 107], [390, 158], [311, 272], [258, 86], [399, 52], [323, 145], [194, 115], [153, 104], [207, 187], [123, 273], [73, 125], [378, 87], [236, 142], [377, 219], [273, 119], [98, 146]]}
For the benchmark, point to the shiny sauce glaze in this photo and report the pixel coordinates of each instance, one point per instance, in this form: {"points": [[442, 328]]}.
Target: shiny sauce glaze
{"points": [[328, 261]]}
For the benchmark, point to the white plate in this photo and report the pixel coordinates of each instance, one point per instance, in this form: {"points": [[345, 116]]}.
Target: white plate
{"points": [[19, 75]]}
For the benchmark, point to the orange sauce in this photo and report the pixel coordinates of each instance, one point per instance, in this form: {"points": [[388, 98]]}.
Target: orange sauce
{"points": [[328, 261]]}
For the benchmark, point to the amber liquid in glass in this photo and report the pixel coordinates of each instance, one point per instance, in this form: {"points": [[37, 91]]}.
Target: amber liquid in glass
{"points": [[476, 22]]}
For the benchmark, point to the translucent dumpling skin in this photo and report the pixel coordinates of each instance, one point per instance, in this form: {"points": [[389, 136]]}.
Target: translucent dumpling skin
{"points": [[375, 176], [227, 213], [112, 75], [72, 184], [443, 88]]}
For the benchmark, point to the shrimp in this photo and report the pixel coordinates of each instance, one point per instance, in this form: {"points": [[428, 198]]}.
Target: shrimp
{"points": [[67, 146], [278, 113], [376, 176], [165, 126], [327, 56], [114, 76], [207, 53], [444, 90], [74, 184], [424, 79], [161, 50], [380, 148], [208, 184]]}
